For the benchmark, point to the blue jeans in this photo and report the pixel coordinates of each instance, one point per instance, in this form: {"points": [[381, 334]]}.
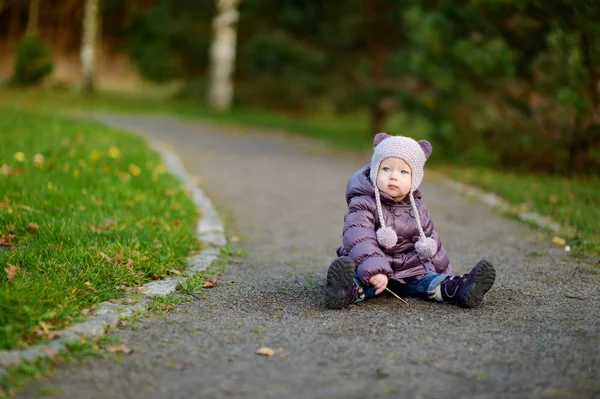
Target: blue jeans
{"points": [[413, 287]]}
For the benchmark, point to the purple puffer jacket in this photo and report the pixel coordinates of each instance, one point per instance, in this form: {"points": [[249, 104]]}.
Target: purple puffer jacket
{"points": [[361, 222]]}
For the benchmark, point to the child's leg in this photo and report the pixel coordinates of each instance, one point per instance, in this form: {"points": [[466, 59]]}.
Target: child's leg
{"points": [[423, 287]]}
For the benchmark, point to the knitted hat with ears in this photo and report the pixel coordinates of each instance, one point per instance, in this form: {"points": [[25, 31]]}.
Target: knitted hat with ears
{"points": [[414, 153]]}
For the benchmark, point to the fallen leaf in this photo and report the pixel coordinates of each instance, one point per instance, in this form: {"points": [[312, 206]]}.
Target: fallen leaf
{"points": [[33, 227], [121, 348], [130, 264], [134, 170], [559, 241], [19, 156], [118, 257], [11, 271], [174, 271], [38, 160], [95, 155], [156, 277], [46, 331], [208, 284], [6, 240], [5, 169], [265, 351], [105, 256], [114, 152]]}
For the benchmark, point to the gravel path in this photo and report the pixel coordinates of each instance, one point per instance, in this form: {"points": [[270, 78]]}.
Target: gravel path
{"points": [[284, 197]]}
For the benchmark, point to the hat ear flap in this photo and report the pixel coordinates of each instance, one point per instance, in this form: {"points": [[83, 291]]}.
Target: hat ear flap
{"points": [[379, 137], [426, 147]]}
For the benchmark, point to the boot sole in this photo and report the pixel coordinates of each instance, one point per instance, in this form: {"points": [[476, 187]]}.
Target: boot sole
{"points": [[483, 281], [340, 278]]}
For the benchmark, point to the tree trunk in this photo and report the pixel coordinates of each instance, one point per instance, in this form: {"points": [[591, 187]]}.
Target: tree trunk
{"points": [[88, 45], [222, 54], [63, 29], [378, 58], [579, 153], [15, 22], [34, 17]]}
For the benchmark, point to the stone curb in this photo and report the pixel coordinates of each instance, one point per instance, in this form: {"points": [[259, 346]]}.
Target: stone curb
{"points": [[209, 231]]}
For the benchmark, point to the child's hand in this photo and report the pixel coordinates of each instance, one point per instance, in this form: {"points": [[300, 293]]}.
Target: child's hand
{"points": [[379, 281]]}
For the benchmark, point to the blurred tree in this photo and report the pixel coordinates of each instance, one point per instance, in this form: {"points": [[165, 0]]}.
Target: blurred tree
{"points": [[34, 17], [511, 83], [222, 54], [170, 40], [88, 45]]}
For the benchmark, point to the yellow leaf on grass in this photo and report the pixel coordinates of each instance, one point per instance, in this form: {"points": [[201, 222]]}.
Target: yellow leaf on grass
{"points": [[160, 169], [19, 156], [95, 155], [33, 227], [559, 241], [134, 170], [11, 271], [114, 152]]}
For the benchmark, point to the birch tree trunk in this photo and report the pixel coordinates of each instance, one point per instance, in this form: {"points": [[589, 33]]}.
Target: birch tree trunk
{"points": [[88, 45], [222, 54], [34, 17]]}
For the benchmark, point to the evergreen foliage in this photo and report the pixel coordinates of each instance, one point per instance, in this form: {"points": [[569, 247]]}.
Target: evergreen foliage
{"points": [[33, 61]]}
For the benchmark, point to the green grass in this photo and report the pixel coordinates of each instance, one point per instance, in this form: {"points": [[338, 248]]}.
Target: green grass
{"points": [[572, 202], [89, 214]]}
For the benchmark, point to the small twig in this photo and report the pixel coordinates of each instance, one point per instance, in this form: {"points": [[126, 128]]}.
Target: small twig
{"points": [[396, 295], [575, 297], [195, 296]]}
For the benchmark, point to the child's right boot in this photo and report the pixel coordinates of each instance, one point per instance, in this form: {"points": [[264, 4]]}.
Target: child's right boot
{"points": [[341, 289], [468, 290]]}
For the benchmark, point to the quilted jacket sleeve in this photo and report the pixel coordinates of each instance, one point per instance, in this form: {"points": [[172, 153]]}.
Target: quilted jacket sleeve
{"points": [[360, 241]]}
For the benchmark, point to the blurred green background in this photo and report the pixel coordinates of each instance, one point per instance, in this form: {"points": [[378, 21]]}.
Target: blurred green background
{"points": [[508, 86], [507, 83]]}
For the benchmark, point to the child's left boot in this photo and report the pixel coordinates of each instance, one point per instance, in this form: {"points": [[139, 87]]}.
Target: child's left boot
{"points": [[341, 289], [468, 290]]}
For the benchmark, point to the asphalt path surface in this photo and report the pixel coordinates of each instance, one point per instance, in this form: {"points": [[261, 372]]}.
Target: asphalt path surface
{"points": [[537, 334]]}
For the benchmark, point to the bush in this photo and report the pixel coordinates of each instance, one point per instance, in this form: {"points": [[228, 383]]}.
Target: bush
{"points": [[33, 61]]}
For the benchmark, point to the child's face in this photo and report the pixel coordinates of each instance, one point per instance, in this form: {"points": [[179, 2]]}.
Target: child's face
{"points": [[394, 178]]}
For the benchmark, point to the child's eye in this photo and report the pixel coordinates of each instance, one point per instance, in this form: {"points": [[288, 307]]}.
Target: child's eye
{"points": [[404, 172], [385, 169]]}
